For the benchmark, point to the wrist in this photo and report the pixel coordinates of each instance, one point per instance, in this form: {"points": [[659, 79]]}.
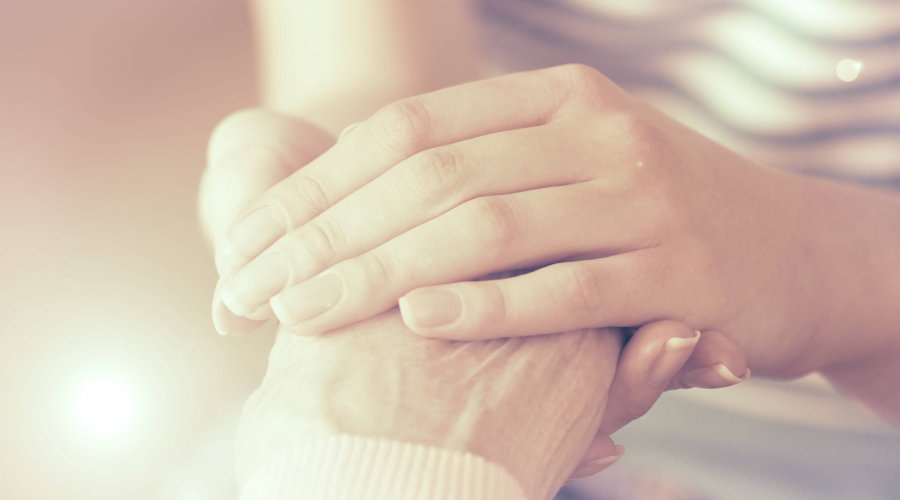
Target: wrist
{"points": [[853, 249], [873, 381], [851, 235]]}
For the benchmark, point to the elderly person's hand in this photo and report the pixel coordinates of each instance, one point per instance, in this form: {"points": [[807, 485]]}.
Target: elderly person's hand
{"points": [[253, 150]]}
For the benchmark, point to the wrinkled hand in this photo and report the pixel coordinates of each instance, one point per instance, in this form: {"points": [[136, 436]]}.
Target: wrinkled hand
{"points": [[633, 216], [255, 149]]}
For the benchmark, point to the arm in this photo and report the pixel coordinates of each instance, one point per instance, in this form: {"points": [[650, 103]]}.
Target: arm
{"points": [[853, 238], [336, 62]]}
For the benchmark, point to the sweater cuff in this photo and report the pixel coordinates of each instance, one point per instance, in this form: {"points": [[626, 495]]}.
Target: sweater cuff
{"points": [[359, 468]]}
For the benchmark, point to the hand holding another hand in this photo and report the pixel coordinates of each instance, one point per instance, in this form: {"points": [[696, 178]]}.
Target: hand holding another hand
{"points": [[629, 216], [254, 149]]}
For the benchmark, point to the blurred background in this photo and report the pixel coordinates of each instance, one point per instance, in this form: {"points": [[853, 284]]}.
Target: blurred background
{"points": [[114, 382]]}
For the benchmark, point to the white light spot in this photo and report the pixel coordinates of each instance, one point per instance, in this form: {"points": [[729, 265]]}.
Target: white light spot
{"points": [[848, 70], [194, 491], [104, 406]]}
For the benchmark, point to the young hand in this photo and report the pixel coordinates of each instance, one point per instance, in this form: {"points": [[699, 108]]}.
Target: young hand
{"points": [[634, 216]]}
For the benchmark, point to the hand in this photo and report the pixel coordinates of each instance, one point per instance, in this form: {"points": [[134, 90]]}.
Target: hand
{"points": [[249, 152], [639, 218], [528, 404], [661, 355]]}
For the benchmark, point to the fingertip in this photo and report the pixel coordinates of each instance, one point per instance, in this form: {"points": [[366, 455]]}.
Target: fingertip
{"points": [[262, 313], [227, 323], [347, 130], [713, 377], [656, 352], [652, 358], [717, 362], [431, 312], [714, 348], [406, 316], [227, 260], [668, 329], [599, 464], [680, 342]]}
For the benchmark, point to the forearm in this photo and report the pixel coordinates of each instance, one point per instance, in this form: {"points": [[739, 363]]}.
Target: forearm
{"points": [[854, 236], [529, 406], [336, 62]]}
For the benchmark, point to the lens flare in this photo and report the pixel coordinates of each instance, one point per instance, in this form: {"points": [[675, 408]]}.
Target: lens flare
{"points": [[848, 70], [104, 406]]}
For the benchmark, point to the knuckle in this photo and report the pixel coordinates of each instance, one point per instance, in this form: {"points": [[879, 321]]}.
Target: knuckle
{"points": [[434, 174], [582, 82], [234, 131], [492, 312], [582, 290], [310, 192], [497, 308], [403, 127], [638, 134], [497, 220], [373, 270], [579, 74], [323, 241]]}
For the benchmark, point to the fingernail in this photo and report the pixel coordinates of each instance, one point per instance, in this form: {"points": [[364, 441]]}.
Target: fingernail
{"points": [[430, 308], [347, 130], [308, 300], [607, 461], [216, 305], [225, 266], [672, 357], [226, 322], [256, 283], [713, 377], [253, 234]]}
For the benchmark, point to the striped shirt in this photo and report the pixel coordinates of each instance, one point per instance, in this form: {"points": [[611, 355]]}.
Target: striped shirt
{"points": [[810, 86]]}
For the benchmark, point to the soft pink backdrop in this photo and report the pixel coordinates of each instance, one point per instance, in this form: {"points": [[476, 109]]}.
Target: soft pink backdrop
{"points": [[105, 107]]}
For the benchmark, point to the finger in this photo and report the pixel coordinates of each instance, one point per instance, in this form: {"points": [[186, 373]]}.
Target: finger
{"points": [[482, 236], [622, 289], [250, 151], [653, 356], [228, 323], [417, 190], [605, 454], [424, 186], [395, 133], [716, 362], [652, 361]]}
